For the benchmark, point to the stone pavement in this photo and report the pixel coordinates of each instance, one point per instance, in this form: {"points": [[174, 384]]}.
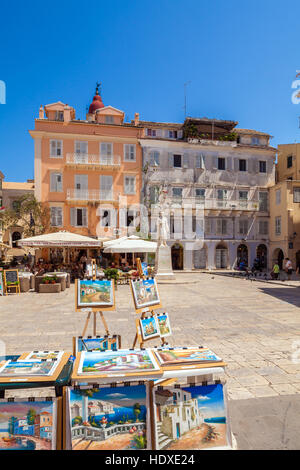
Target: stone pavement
{"points": [[253, 326]]}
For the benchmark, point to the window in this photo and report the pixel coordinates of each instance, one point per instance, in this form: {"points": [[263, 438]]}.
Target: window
{"points": [[277, 225], [177, 193], [243, 195], [172, 134], [208, 225], [56, 182], [263, 167], [222, 226], [255, 141], [105, 220], [81, 147], [153, 194], [221, 194], [129, 153], [79, 216], [56, 148], [56, 218], [16, 205], [106, 187], [106, 149], [177, 161], [59, 115], [242, 165], [263, 201], [151, 132], [81, 182], [263, 227], [154, 158], [109, 119], [221, 163], [278, 196], [129, 184], [243, 227], [289, 161], [200, 161], [296, 194], [200, 193]]}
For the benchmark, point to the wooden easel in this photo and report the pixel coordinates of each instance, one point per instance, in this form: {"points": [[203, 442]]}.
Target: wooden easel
{"points": [[93, 310]]}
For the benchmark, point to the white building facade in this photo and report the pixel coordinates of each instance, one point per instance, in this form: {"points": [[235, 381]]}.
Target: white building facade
{"points": [[216, 184]]}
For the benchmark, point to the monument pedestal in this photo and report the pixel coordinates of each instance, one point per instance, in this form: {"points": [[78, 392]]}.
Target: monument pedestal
{"points": [[164, 263]]}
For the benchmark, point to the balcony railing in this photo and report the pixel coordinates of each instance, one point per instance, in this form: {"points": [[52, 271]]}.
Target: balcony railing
{"points": [[92, 195], [86, 159], [214, 203]]}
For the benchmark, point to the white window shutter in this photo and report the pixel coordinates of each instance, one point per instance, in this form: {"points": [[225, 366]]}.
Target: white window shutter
{"points": [[219, 225], [179, 134], [73, 212], [215, 162], [52, 182], [228, 163], [185, 160], [84, 217], [236, 164], [171, 159]]}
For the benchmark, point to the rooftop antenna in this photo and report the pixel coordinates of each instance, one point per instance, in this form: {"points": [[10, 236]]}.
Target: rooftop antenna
{"points": [[185, 85]]}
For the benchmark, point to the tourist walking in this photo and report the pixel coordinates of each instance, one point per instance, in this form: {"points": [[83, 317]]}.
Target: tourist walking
{"points": [[288, 268], [275, 271]]}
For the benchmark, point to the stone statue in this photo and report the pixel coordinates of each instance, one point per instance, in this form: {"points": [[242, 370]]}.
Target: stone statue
{"points": [[162, 229]]}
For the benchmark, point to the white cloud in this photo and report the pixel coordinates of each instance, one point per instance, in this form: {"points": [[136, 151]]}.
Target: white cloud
{"points": [[116, 395]]}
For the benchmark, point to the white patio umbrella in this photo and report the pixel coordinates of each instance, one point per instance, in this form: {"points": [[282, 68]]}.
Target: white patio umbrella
{"points": [[60, 239], [131, 244]]}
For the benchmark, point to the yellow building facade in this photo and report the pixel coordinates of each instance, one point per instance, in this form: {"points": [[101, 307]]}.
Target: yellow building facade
{"points": [[285, 207]]}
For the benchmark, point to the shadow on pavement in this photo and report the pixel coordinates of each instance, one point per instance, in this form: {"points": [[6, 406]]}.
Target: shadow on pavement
{"points": [[266, 423], [290, 294]]}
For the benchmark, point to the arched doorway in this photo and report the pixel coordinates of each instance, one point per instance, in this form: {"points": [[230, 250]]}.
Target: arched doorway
{"points": [[242, 255], [221, 256], [199, 258], [262, 255], [15, 237], [278, 257], [177, 256]]}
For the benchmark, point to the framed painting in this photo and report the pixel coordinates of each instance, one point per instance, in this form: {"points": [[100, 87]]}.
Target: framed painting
{"points": [[149, 327], [108, 418], [44, 368], [164, 325], [145, 293], [39, 355], [28, 425], [191, 418], [186, 356], [98, 343], [121, 363], [96, 295]]}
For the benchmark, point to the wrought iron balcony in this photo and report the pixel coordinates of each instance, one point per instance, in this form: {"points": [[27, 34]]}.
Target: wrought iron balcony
{"points": [[93, 160], [91, 195]]}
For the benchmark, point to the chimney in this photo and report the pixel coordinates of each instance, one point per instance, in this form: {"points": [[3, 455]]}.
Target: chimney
{"points": [[136, 119]]}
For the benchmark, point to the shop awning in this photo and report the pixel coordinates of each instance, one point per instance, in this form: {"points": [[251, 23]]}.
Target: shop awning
{"points": [[60, 239]]}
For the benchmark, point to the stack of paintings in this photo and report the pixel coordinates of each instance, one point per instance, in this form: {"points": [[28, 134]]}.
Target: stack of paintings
{"points": [[191, 418], [28, 425], [124, 362], [173, 357], [108, 418]]}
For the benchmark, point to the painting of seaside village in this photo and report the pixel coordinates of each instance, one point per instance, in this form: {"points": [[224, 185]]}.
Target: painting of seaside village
{"points": [[123, 360], [145, 293], [108, 418], [190, 418], [27, 425], [28, 368], [181, 356], [102, 343], [95, 293]]}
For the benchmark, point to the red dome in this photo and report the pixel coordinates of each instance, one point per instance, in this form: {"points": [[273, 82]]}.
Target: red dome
{"points": [[96, 103]]}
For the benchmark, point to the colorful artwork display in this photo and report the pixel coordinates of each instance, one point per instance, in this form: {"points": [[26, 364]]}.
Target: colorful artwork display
{"points": [[191, 418], [39, 355], [97, 293], [145, 293], [108, 418], [28, 368], [27, 425], [185, 356], [164, 325], [149, 327], [122, 361], [102, 343]]}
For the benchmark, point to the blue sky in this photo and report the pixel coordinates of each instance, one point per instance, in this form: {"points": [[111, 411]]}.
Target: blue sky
{"points": [[239, 57]]}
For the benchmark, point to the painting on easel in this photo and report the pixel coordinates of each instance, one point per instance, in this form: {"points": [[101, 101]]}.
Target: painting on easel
{"points": [[149, 327], [99, 343], [164, 325], [95, 294], [145, 293]]}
